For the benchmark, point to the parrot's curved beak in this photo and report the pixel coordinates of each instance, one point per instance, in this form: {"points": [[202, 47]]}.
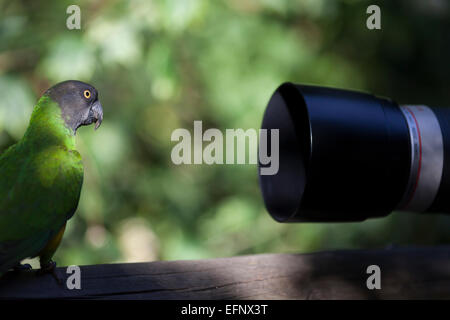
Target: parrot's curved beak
{"points": [[97, 111]]}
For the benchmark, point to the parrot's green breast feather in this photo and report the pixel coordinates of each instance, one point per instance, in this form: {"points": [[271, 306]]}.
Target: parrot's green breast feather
{"points": [[41, 179]]}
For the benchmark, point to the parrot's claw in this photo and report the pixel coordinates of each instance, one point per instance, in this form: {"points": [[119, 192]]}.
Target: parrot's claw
{"points": [[50, 267], [22, 267]]}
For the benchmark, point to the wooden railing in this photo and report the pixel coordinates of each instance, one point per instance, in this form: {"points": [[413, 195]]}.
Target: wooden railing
{"points": [[406, 273]]}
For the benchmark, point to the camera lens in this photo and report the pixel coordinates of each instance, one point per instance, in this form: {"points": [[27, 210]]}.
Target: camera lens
{"points": [[349, 156]]}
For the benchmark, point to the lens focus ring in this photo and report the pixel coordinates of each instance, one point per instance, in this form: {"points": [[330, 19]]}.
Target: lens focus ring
{"points": [[427, 158]]}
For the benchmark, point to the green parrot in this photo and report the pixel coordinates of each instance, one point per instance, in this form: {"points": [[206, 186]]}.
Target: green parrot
{"points": [[41, 176]]}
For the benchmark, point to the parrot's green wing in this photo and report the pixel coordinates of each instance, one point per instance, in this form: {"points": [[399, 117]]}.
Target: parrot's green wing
{"points": [[39, 192], [41, 176]]}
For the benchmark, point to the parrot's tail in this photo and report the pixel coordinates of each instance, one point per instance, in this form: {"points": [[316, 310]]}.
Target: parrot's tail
{"points": [[12, 252], [9, 255]]}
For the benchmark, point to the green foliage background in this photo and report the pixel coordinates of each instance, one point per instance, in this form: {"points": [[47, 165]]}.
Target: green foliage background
{"points": [[160, 65]]}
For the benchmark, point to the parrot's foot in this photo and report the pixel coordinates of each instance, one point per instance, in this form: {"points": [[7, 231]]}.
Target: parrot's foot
{"points": [[49, 267], [22, 267]]}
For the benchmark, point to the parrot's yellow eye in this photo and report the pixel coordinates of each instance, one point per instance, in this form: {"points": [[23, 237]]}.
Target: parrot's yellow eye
{"points": [[87, 94]]}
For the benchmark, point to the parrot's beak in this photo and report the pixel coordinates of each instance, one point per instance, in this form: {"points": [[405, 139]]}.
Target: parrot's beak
{"points": [[97, 111]]}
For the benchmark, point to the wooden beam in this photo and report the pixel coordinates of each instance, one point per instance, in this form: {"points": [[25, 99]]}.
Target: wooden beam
{"points": [[406, 273]]}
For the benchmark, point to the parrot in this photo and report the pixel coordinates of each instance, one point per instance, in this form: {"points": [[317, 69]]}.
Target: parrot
{"points": [[41, 176]]}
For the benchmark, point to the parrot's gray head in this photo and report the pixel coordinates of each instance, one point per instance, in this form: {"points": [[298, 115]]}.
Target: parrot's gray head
{"points": [[78, 102]]}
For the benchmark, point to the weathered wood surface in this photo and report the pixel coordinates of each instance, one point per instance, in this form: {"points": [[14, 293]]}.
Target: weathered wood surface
{"points": [[406, 273]]}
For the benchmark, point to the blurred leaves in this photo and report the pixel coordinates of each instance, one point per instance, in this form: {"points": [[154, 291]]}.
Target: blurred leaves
{"points": [[160, 65], [16, 104], [68, 58]]}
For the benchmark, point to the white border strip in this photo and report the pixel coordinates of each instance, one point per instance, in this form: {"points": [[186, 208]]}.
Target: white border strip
{"points": [[427, 158]]}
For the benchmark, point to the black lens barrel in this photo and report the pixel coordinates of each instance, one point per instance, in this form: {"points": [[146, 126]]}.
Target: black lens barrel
{"points": [[343, 155]]}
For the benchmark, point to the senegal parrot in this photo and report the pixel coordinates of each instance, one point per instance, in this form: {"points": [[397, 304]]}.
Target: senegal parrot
{"points": [[41, 175]]}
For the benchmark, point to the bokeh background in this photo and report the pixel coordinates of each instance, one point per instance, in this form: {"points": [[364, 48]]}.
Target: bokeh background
{"points": [[160, 65]]}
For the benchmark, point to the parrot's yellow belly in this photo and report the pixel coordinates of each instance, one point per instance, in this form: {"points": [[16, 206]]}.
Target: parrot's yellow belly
{"points": [[52, 245]]}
